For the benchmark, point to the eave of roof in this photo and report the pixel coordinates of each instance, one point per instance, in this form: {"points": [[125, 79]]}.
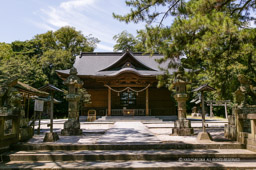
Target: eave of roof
{"points": [[204, 87], [50, 88], [30, 90]]}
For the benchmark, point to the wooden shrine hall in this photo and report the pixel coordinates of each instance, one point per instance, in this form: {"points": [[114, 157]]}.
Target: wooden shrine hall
{"points": [[123, 83]]}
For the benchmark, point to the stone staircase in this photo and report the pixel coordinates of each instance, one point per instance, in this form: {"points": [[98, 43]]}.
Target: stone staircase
{"points": [[143, 119], [123, 156]]}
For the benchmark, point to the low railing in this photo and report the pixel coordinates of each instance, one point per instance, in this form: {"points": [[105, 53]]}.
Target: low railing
{"points": [[126, 112], [245, 121]]}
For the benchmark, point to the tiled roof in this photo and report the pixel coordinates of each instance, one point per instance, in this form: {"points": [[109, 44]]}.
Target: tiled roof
{"points": [[96, 64]]}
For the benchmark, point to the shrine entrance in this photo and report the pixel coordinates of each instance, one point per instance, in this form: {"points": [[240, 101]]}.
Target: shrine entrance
{"points": [[129, 101]]}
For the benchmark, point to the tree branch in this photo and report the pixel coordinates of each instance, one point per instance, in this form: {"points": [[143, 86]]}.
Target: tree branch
{"points": [[241, 8], [166, 13]]}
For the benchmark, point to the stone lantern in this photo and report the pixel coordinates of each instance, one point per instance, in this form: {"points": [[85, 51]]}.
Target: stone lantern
{"points": [[182, 126], [72, 125]]}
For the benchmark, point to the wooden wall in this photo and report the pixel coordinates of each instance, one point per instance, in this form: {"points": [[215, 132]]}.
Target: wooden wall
{"points": [[161, 101]]}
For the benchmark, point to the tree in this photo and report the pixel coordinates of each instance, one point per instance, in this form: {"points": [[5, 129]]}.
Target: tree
{"points": [[68, 39], [210, 37], [5, 51], [126, 41], [24, 68], [35, 61]]}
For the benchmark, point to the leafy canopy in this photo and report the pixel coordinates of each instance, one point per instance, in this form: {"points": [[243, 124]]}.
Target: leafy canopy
{"points": [[211, 38]]}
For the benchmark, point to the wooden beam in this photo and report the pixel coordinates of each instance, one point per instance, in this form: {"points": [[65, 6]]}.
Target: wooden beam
{"points": [[109, 102], [218, 104], [147, 113]]}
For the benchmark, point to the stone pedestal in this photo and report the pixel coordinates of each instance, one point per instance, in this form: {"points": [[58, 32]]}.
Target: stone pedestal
{"points": [[71, 128], [25, 132], [230, 128], [204, 136], [182, 127], [51, 137]]}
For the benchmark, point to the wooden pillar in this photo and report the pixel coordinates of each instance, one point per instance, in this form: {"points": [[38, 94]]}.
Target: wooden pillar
{"points": [[109, 102], [34, 120], [211, 113], [226, 112], [51, 127], [147, 111], [39, 124], [253, 128], [203, 111], [28, 107]]}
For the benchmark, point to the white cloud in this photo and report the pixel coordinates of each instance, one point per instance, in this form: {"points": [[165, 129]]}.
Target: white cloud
{"points": [[90, 16], [44, 26], [102, 47], [75, 4]]}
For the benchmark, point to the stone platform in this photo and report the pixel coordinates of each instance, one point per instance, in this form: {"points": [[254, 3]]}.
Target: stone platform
{"points": [[130, 145]]}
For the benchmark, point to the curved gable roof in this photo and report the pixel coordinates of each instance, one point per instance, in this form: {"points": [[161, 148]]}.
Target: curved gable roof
{"points": [[127, 57]]}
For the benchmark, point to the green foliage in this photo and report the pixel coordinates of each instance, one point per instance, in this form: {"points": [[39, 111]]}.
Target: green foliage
{"points": [[212, 39], [5, 51], [126, 41], [35, 61], [68, 39]]}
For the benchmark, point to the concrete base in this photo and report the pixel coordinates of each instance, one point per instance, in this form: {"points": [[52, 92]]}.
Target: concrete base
{"points": [[71, 128], [51, 137], [182, 127], [71, 132], [183, 131], [204, 136]]}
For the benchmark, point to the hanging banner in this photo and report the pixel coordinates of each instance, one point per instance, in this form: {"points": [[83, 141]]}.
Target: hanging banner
{"points": [[39, 105]]}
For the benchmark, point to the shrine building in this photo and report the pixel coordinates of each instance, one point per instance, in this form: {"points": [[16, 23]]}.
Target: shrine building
{"points": [[123, 83]]}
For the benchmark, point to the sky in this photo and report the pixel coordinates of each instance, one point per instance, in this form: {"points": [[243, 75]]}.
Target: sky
{"points": [[23, 19]]}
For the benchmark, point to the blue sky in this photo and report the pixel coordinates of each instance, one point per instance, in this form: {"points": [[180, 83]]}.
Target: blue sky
{"points": [[23, 19]]}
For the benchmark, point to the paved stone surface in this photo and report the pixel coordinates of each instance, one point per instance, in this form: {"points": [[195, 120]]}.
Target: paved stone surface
{"points": [[94, 131], [83, 139], [180, 152], [128, 132], [132, 165]]}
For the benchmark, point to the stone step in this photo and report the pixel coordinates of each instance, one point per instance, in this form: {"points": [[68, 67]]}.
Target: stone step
{"points": [[138, 146], [152, 155], [251, 147], [135, 165], [129, 118]]}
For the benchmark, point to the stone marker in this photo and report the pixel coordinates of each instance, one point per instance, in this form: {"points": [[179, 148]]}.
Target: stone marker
{"points": [[182, 126], [72, 125]]}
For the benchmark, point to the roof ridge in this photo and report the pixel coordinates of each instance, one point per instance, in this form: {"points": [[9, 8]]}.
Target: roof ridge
{"points": [[114, 53]]}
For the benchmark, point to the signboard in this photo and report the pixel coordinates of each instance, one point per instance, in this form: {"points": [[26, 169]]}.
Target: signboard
{"points": [[39, 105]]}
